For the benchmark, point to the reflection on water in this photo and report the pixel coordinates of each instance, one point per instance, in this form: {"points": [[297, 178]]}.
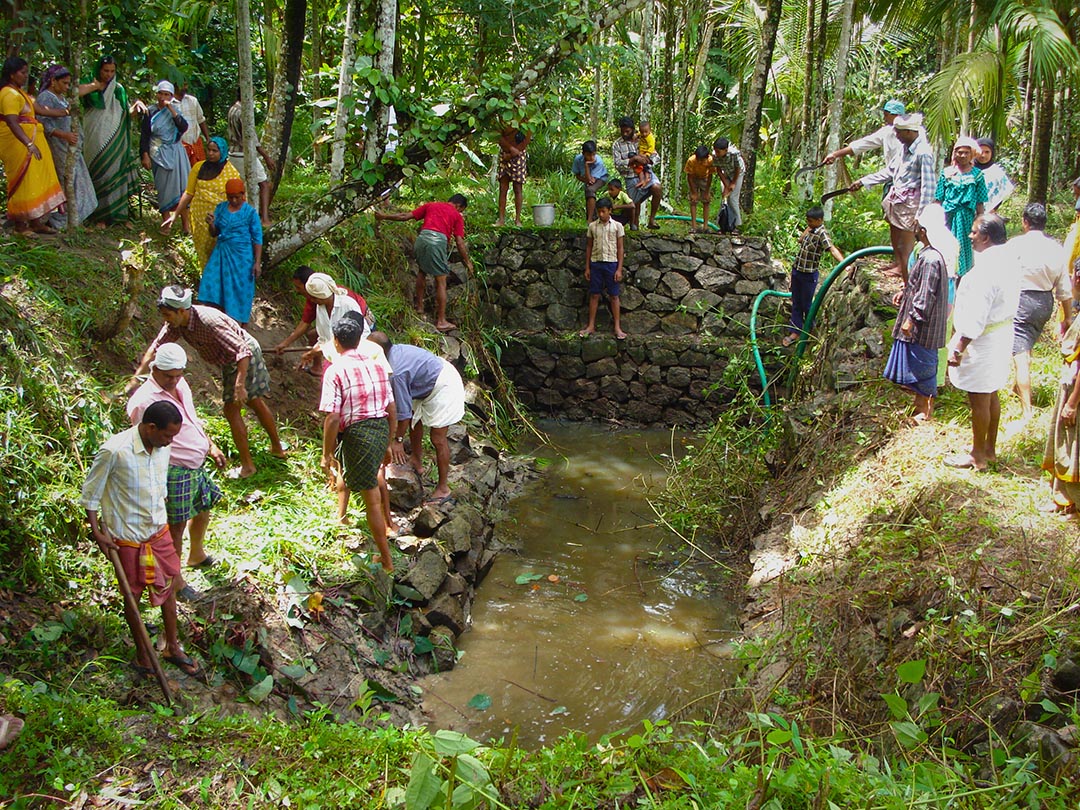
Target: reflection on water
{"points": [[613, 640]]}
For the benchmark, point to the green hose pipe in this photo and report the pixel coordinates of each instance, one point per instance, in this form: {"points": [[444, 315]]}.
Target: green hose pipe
{"points": [[681, 218], [823, 289], [761, 296]]}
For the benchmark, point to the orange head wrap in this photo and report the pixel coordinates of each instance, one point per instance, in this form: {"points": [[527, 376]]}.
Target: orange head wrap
{"points": [[234, 186]]}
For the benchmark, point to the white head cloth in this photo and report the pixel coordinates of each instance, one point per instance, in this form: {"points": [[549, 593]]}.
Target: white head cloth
{"points": [[169, 357], [321, 286], [175, 297], [933, 219], [165, 86], [911, 121]]}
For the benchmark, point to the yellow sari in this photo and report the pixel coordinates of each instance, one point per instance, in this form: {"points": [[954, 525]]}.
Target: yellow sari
{"points": [[205, 196], [33, 188]]}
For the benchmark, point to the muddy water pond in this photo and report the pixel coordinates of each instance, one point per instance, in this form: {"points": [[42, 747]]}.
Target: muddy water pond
{"points": [[602, 619]]}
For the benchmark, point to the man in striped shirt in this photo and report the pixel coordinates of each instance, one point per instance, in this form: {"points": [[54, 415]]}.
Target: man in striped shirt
{"points": [[124, 499], [221, 342], [359, 419]]}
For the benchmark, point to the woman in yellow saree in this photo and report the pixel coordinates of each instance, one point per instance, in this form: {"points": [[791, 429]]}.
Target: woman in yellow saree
{"points": [[33, 188]]}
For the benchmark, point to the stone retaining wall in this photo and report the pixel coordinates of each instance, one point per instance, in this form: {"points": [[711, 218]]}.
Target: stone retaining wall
{"points": [[686, 305]]}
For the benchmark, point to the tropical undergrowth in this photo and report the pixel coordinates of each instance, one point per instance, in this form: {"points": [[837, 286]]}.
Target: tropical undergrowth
{"points": [[897, 606]]}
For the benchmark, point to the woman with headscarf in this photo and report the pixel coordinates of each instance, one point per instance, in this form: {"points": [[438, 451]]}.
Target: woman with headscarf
{"points": [[998, 185], [961, 191], [919, 332], [33, 190], [228, 280], [160, 149], [1061, 457], [52, 102], [107, 143], [981, 347], [205, 192]]}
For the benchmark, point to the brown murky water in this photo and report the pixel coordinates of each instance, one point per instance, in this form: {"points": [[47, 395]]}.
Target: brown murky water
{"points": [[615, 639]]}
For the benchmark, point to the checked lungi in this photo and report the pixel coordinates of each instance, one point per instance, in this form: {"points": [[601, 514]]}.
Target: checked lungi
{"points": [[361, 448]]}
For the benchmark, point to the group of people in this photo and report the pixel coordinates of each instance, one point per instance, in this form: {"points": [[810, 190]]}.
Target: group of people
{"points": [[153, 483], [636, 159], [37, 144]]}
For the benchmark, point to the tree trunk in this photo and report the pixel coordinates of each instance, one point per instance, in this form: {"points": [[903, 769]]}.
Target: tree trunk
{"points": [[277, 130], [806, 125], [751, 135], [1039, 176], [378, 112], [247, 95], [836, 109], [343, 112], [647, 45], [421, 43], [320, 216], [314, 87], [76, 41]]}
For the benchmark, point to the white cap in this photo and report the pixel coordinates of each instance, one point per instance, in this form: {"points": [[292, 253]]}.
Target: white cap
{"points": [[169, 357], [165, 86]]}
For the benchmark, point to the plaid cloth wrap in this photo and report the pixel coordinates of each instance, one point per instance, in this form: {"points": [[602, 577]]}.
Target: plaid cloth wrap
{"points": [[361, 448], [191, 492]]}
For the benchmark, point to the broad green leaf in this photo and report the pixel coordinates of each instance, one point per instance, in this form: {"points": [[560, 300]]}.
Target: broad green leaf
{"points": [[378, 691], [293, 671], [259, 691], [246, 663], [581, 597], [909, 734], [928, 703], [897, 705], [559, 710], [50, 631], [480, 701], [912, 671], [1050, 706], [778, 737], [472, 770], [424, 785], [451, 743], [422, 645], [525, 579]]}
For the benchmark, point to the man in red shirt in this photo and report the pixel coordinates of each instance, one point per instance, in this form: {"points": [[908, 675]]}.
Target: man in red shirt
{"points": [[442, 221], [307, 317]]}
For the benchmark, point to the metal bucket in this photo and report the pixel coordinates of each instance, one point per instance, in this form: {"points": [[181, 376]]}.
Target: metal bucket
{"points": [[544, 215]]}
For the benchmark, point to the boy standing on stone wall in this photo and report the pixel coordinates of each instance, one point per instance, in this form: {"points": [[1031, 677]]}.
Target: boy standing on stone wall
{"points": [[604, 265]]}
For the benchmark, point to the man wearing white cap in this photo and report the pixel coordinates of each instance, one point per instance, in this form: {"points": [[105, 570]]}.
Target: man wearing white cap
{"points": [[161, 151], [221, 342], [191, 491], [883, 138], [913, 184]]}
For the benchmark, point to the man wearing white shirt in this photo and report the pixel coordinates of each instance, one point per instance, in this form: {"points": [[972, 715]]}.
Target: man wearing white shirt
{"points": [[124, 499], [883, 138], [1044, 277]]}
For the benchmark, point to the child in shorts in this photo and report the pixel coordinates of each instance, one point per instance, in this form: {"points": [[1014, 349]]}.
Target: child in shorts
{"points": [[622, 207], [604, 265], [699, 171], [646, 142]]}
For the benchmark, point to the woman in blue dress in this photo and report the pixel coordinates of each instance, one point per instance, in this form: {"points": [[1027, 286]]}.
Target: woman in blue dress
{"points": [[228, 280]]}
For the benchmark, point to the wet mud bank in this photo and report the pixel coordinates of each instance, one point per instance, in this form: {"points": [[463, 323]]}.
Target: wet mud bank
{"points": [[347, 647]]}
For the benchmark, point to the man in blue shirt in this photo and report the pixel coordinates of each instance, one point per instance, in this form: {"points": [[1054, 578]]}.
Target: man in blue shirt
{"points": [[427, 391]]}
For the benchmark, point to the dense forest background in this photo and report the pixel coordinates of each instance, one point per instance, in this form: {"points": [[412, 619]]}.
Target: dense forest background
{"points": [[786, 80]]}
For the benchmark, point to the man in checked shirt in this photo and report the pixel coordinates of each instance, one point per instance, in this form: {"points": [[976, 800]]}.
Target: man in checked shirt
{"points": [[221, 342]]}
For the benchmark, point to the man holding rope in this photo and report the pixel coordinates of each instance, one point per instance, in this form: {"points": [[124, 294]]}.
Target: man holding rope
{"points": [[124, 498]]}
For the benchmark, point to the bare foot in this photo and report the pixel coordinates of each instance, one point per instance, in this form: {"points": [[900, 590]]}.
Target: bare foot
{"points": [[240, 472], [588, 330], [499, 223], [789, 339], [279, 453], [620, 335], [445, 326]]}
